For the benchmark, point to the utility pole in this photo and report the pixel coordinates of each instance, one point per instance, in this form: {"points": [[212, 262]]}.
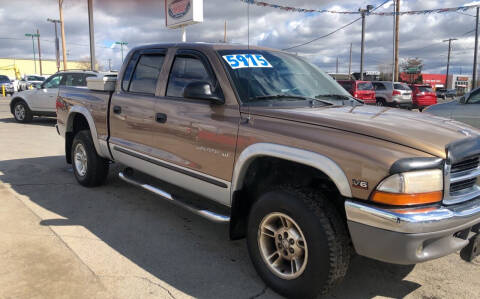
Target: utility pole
{"points": [[225, 32], [336, 72], [350, 63], [109, 65], [474, 75], [448, 59], [39, 52], [57, 43], [32, 35], [62, 31], [92, 35], [363, 12], [121, 46], [397, 29]]}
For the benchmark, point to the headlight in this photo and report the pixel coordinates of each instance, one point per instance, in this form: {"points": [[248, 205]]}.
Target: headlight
{"points": [[410, 188]]}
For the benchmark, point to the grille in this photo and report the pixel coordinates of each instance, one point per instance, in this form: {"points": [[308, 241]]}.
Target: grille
{"points": [[466, 184], [465, 165], [462, 181]]}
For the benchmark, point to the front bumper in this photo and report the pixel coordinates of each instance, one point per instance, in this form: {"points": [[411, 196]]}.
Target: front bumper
{"points": [[411, 236]]}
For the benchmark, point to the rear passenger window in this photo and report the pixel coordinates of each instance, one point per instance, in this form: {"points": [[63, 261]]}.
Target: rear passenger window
{"points": [[379, 86], [184, 71], [145, 76]]}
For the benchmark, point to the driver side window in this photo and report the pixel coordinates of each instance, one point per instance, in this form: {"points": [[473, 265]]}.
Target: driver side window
{"points": [[53, 82], [474, 97]]}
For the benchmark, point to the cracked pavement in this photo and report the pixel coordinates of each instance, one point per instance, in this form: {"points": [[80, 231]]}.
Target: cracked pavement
{"points": [[61, 240]]}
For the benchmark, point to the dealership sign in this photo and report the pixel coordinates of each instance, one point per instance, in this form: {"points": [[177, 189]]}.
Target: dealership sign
{"points": [[183, 12]]}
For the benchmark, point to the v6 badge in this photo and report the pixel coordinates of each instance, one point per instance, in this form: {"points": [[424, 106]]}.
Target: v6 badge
{"points": [[360, 184]]}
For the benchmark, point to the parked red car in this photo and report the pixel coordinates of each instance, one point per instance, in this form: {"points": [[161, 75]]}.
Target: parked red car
{"points": [[422, 96], [362, 90]]}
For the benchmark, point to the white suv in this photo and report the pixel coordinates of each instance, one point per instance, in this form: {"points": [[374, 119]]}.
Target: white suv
{"points": [[41, 101]]}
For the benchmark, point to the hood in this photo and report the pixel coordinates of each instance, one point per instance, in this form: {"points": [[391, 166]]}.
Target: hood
{"points": [[417, 130]]}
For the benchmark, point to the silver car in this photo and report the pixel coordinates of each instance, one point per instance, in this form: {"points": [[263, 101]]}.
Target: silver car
{"points": [[466, 109], [393, 94]]}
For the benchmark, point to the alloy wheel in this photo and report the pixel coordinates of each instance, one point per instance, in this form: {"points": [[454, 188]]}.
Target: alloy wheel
{"points": [[282, 245]]}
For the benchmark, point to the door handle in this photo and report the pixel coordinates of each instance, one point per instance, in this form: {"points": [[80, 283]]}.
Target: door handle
{"points": [[161, 118], [117, 109]]}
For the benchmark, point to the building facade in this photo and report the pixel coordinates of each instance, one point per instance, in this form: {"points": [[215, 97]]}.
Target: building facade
{"points": [[13, 67]]}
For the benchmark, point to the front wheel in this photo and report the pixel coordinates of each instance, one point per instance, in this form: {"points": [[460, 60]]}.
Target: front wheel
{"points": [[22, 113], [298, 242], [89, 168]]}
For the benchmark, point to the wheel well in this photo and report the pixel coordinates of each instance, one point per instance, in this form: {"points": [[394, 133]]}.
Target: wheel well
{"points": [[266, 172], [78, 124], [14, 101]]}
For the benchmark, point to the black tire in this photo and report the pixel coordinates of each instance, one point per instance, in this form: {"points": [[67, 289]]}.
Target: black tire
{"points": [[96, 167], [421, 109], [326, 236], [26, 117], [380, 102]]}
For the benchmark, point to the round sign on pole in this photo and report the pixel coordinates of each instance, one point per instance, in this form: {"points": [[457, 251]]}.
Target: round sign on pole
{"points": [[179, 13]]}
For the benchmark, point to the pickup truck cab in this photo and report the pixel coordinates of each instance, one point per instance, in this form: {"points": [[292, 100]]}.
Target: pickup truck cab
{"points": [[268, 143]]}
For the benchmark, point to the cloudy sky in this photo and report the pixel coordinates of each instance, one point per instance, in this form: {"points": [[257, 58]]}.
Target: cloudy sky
{"points": [[142, 22]]}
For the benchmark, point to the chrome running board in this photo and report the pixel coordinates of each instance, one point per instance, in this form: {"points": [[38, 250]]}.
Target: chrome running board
{"points": [[212, 216]]}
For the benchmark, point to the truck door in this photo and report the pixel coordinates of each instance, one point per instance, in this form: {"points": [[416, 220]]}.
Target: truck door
{"points": [[132, 106], [196, 138]]}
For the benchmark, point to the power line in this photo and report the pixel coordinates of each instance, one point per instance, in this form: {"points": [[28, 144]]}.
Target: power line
{"points": [[335, 31]]}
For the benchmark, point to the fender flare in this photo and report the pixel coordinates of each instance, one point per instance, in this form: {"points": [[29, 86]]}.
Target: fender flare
{"points": [[93, 130], [312, 159], [18, 98]]}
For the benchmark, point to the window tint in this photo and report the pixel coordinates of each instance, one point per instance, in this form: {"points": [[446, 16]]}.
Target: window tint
{"points": [[184, 71], [399, 86], [346, 85], [35, 78], [146, 73], [128, 73], [4, 79], [365, 86], [53, 82], [74, 80], [425, 89], [474, 98], [379, 86]]}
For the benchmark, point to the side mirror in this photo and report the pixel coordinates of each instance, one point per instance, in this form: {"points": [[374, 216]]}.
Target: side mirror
{"points": [[203, 91]]}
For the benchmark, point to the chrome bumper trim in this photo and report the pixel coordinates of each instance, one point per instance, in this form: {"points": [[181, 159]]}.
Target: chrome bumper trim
{"points": [[414, 220]]}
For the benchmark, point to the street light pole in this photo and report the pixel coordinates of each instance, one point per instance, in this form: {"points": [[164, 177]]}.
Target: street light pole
{"points": [[92, 35], [121, 46], [474, 75], [448, 59], [363, 12], [39, 52], [62, 31], [33, 35], [57, 43]]}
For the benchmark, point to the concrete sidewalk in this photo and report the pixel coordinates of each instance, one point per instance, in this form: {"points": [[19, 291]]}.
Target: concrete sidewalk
{"points": [[35, 262]]}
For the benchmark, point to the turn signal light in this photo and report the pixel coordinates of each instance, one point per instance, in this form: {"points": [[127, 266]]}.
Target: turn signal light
{"points": [[404, 199]]}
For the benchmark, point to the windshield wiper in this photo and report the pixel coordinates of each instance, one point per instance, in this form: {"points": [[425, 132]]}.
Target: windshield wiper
{"points": [[293, 97], [342, 97]]}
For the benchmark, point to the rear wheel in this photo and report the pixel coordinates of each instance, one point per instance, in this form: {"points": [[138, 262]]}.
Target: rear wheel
{"points": [[89, 168], [298, 242], [380, 102], [22, 113]]}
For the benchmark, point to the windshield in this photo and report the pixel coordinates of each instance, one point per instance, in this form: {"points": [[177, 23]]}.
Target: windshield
{"points": [[35, 78], [425, 88], [4, 79], [365, 86], [399, 86], [261, 76]]}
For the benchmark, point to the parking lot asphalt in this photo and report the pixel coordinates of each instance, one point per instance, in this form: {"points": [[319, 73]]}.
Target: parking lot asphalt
{"points": [[61, 240]]}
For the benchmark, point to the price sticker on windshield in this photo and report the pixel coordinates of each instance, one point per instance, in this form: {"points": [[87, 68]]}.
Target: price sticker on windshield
{"points": [[238, 61]]}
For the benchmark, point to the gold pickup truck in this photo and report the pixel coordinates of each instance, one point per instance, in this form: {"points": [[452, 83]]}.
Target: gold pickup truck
{"points": [[268, 143]]}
